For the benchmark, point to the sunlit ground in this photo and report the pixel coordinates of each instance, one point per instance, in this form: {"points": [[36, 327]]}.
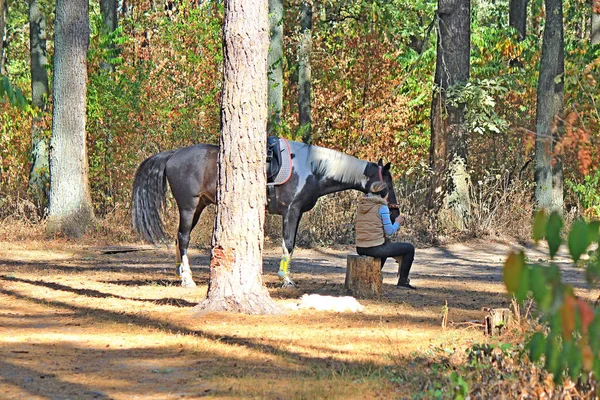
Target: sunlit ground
{"points": [[77, 323]]}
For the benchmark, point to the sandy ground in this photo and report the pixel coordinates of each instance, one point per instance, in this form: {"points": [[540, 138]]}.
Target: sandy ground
{"points": [[81, 322]]}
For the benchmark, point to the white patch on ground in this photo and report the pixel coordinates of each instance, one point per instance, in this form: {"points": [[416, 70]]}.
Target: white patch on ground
{"points": [[327, 303]]}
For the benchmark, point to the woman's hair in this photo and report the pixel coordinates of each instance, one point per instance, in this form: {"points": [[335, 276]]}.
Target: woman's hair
{"points": [[379, 188]]}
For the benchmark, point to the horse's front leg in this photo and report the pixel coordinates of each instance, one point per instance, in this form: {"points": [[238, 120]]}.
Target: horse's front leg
{"points": [[284, 274], [291, 220]]}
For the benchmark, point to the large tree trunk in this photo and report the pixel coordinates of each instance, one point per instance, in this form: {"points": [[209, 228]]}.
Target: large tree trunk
{"points": [[108, 9], [39, 176], [595, 32], [517, 17], [449, 134], [70, 209], [236, 259], [550, 98], [3, 18], [275, 61], [304, 75]]}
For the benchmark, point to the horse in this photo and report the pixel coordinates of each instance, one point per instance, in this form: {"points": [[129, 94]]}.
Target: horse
{"points": [[191, 173]]}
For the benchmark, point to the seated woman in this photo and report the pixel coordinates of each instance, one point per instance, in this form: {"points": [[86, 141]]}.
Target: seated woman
{"points": [[373, 226]]}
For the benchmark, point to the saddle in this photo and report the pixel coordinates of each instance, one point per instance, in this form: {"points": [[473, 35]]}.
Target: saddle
{"points": [[279, 168], [279, 161], [273, 157]]}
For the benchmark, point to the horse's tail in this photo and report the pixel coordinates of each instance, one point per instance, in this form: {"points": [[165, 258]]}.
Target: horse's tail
{"points": [[148, 197]]}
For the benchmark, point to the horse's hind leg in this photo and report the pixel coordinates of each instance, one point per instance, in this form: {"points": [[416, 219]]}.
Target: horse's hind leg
{"points": [[188, 218]]}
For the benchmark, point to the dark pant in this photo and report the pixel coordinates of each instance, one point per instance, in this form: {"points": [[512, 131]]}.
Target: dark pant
{"points": [[403, 253]]}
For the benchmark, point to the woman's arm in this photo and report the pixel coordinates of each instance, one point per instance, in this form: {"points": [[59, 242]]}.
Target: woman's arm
{"points": [[388, 227]]}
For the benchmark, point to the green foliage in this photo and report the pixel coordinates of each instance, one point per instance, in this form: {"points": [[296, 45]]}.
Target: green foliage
{"points": [[587, 192], [13, 94], [478, 97], [568, 343], [482, 371], [372, 72], [461, 388], [372, 85], [161, 95]]}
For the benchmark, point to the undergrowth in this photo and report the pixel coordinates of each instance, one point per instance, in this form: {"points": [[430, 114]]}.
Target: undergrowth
{"points": [[483, 371], [499, 209]]}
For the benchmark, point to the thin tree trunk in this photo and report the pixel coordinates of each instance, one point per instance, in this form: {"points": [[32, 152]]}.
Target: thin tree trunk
{"points": [[70, 209], [536, 10], [236, 259], [518, 17], [304, 72], [550, 98], [557, 133], [3, 19], [108, 9], [126, 9], [275, 62], [595, 31], [39, 176], [449, 133]]}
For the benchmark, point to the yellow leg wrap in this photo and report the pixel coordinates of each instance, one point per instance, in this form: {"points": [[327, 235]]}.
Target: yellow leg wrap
{"points": [[283, 267]]}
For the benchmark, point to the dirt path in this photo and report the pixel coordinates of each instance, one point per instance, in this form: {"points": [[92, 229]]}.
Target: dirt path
{"points": [[78, 323]]}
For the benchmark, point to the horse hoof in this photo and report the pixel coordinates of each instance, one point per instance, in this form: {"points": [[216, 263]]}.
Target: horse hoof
{"points": [[288, 283], [188, 283]]}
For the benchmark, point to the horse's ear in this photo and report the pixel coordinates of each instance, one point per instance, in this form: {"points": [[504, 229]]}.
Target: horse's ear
{"points": [[380, 162], [387, 167]]}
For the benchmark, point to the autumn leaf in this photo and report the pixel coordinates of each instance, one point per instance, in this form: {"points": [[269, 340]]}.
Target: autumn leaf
{"points": [[513, 269], [539, 225], [567, 313], [586, 312]]}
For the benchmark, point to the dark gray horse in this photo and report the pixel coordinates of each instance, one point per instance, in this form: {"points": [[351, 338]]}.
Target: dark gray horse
{"points": [[192, 176]]}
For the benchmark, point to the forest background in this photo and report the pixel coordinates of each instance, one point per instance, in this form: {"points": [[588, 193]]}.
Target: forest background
{"points": [[372, 65]]}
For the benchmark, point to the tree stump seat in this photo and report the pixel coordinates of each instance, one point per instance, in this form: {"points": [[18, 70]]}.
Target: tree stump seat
{"points": [[363, 276]]}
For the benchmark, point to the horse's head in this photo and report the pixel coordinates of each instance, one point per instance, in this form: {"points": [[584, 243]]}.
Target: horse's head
{"points": [[382, 173]]}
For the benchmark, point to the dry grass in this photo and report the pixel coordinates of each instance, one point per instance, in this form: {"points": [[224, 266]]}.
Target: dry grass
{"points": [[75, 321], [78, 323]]}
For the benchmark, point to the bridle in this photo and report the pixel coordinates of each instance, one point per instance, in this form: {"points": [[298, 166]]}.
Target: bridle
{"points": [[390, 205]]}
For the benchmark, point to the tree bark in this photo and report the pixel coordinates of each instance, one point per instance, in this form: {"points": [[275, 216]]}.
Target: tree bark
{"points": [[3, 18], [449, 133], [550, 99], [236, 260], [595, 31], [108, 9], [70, 209], [39, 175], [304, 72], [275, 61], [517, 17]]}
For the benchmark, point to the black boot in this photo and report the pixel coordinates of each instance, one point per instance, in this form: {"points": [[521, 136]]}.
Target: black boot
{"points": [[405, 282]]}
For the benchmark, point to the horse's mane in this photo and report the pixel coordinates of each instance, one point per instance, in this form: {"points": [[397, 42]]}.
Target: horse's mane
{"points": [[336, 165]]}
